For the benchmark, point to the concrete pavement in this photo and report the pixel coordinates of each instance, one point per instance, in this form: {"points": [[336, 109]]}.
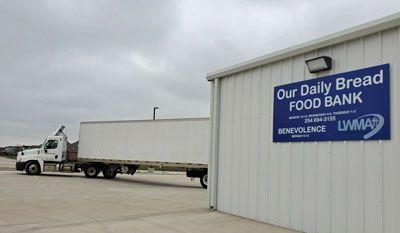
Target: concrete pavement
{"points": [[139, 203], [7, 163]]}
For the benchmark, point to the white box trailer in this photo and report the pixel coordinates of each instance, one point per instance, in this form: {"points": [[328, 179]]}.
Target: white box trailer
{"points": [[122, 147], [320, 178], [176, 142]]}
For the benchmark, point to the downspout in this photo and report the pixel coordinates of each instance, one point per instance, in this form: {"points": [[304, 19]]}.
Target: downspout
{"points": [[214, 143]]}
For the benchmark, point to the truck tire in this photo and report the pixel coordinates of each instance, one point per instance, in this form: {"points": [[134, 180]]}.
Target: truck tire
{"points": [[92, 171], [204, 180], [109, 173], [32, 168]]}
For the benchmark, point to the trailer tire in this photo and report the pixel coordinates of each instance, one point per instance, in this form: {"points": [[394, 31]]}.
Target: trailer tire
{"points": [[204, 180], [92, 171], [32, 168], [109, 173]]}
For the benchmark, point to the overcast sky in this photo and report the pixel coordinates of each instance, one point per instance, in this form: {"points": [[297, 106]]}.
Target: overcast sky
{"points": [[63, 62]]}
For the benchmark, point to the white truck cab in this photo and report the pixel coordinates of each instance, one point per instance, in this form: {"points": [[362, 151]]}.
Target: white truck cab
{"points": [[52, 151]]}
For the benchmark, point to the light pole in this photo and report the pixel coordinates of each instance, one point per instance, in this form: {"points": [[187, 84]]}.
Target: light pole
{"points": [[154, 112]]}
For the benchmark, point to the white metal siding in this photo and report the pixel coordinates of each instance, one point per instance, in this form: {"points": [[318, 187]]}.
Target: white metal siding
{"points": [[181, 141], [335, 187]]}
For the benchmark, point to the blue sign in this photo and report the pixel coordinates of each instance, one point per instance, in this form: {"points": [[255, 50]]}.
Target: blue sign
{"points": [[349, 106]]}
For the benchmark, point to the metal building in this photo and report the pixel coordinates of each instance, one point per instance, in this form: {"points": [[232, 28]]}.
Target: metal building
{"points": [[313, 186]]}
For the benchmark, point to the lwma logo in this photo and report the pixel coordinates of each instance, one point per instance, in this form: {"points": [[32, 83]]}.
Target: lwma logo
{"points": [[370, 122]]}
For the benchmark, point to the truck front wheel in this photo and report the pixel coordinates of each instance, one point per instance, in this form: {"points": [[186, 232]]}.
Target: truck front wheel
{"points": [[109, 172], [32, 168], [204, 180], [92, 171]]}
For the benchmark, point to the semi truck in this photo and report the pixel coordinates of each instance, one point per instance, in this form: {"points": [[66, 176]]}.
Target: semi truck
{"points": [[121, 147]]}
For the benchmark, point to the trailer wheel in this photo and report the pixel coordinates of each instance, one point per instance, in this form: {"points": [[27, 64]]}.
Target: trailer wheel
{"points": [[32, 168], [204, 180], [109, 173], [92, 171]]}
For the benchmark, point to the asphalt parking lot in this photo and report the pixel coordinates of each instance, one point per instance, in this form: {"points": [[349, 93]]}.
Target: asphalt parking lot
{"points": [[140, 203]]}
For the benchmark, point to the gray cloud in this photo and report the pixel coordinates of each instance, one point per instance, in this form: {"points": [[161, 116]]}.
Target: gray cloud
{"points": [[63, 62]]}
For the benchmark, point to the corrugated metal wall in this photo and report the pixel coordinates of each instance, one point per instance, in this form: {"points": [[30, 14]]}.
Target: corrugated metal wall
{"points": [[333, 187]]}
